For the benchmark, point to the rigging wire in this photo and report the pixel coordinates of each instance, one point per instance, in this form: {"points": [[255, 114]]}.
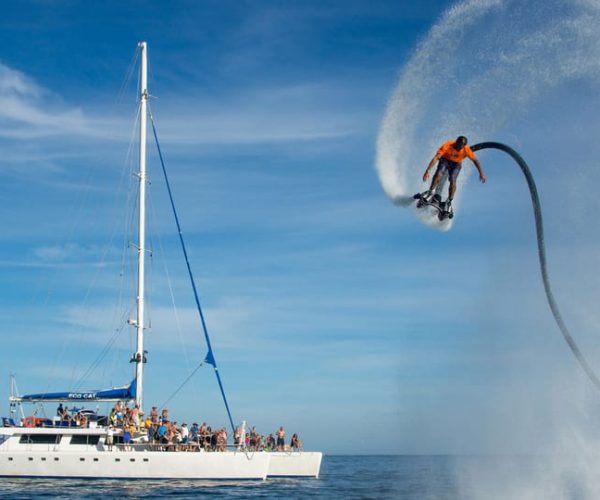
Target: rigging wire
{"points": [[210, 358], [75, 218], [182, 385], [128, 75], [126, 269], [127, 165], [75, 221], [105, 350], [537, 212], [170, 287]]}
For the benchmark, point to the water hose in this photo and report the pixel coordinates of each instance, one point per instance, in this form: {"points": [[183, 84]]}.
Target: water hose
{"points": [[537, 212]]}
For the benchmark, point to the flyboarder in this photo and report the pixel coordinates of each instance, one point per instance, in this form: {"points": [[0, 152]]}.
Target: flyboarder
{"points": [[449, 158]]}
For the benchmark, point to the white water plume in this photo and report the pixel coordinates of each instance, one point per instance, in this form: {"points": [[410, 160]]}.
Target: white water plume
{"points": [[484, 64]]}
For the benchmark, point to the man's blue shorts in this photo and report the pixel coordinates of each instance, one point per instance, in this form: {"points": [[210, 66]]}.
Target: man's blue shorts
{"points": [[451, 167]]}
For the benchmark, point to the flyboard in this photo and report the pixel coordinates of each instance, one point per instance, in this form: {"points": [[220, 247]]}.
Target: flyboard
{"points": [[444, 212]]}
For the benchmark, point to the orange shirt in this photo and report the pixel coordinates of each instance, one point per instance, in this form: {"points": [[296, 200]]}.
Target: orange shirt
{"points": [[450, 153]]}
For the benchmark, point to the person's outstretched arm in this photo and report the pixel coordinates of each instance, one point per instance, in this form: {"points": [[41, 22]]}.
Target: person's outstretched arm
{"points": [[430, 166], [482, 176]]}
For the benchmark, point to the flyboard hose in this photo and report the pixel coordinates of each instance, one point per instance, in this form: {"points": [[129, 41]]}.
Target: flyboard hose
{"points": [[537, 212]]}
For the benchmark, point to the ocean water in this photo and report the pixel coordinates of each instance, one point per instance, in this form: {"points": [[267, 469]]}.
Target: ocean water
{"points": [[346, 477]]}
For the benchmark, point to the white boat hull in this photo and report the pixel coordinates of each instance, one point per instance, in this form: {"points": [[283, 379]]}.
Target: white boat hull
{"points": [[138, 465], [63, 459], [295, 464], [159, 465], [66, 460]]}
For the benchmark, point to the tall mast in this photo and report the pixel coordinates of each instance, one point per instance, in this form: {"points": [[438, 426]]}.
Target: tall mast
{"points": [[139, 355]]}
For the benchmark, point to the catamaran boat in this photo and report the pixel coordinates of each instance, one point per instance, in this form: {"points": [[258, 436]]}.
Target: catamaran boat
{"points": [[53, 448]]}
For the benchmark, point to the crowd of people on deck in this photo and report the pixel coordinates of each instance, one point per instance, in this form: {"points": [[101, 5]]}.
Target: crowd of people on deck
{"points": [[78, 417], [160, 431], [257, 442]]}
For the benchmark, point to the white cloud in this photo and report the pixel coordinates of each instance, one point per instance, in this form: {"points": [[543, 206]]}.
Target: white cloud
{"points": [[294, 112], [28, 110], [70, 251]]}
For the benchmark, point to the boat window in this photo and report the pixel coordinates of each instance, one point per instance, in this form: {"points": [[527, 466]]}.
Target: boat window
{"points": [[83, 439], [40, 438]]}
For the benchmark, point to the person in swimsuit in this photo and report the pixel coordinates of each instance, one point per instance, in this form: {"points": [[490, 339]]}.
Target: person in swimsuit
{"points": [[281, 439], [449, 157]]}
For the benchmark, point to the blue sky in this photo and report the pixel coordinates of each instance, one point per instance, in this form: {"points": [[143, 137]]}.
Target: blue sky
{"points": [[332, 311]]}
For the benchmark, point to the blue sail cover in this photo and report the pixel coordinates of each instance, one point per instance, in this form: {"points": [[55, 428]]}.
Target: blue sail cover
{"points": [[115, 394]]}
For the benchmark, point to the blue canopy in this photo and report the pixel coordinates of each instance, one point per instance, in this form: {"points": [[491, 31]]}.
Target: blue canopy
{"points": [[115, 394]]}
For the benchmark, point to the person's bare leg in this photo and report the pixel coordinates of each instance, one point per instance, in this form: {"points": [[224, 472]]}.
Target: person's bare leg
{"points": [[451, 190], [434, 183]]}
